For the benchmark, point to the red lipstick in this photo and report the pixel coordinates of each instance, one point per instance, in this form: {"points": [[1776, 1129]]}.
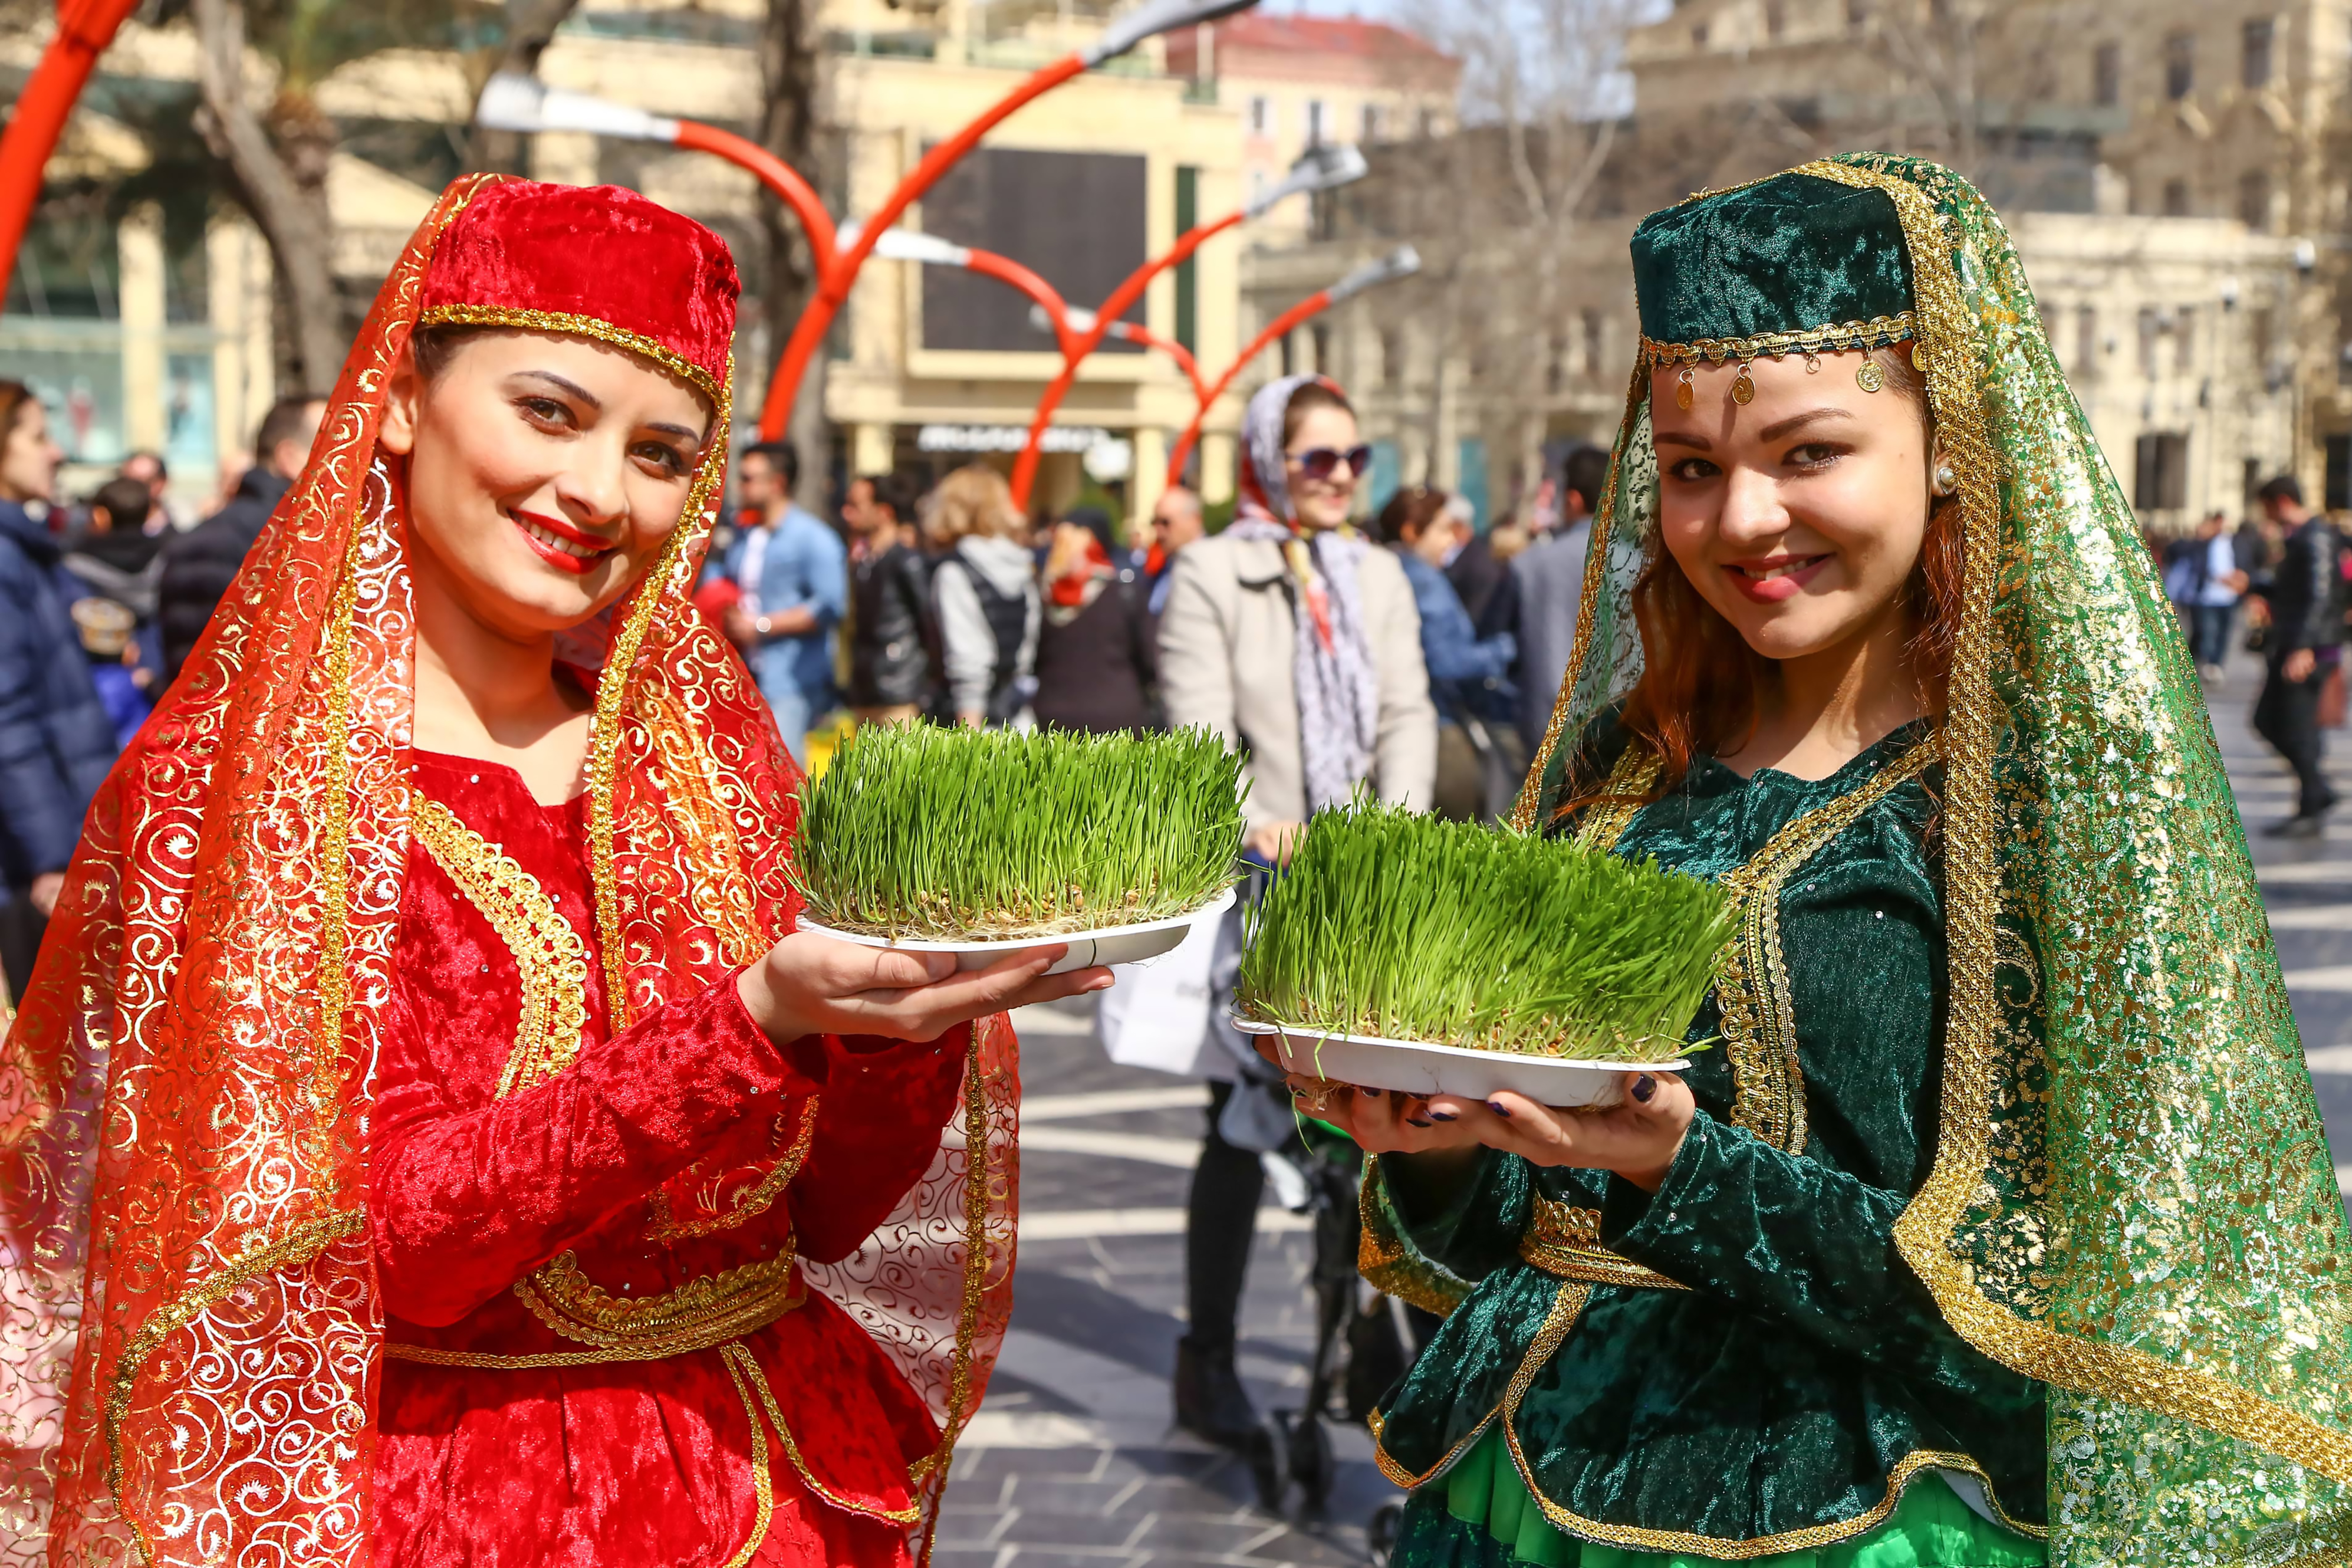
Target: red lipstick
{"points": [[1793, 572], [564, 533]]}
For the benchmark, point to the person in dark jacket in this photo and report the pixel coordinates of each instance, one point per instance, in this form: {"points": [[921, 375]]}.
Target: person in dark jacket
{"points": [[1095, 663], [200, 564], [893, 646], [1479, 762], [56, 740], [2306, 639]]}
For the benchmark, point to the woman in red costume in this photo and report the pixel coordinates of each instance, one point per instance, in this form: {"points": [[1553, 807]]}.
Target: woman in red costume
{"points": [[417, 1145]]}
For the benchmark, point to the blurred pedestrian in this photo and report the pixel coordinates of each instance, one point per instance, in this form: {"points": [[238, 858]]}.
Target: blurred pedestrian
{"points": [[1549, 576], [106, 632], [200, 564], [1482, 582], [1469, 676], [2305, 641], [2202, 575], [1095, 666], [168, 516], [1298, 642], [113, 555], [984, 592], [1176, 521], [792, 578], [56, 740], [892, 639]]}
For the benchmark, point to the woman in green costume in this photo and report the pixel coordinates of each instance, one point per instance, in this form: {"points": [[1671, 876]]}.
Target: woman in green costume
{"points": [[1998, 1227]]}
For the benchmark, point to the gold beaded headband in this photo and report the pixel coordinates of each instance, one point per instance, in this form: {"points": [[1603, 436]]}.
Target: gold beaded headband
{"points": [[1811, 343]]}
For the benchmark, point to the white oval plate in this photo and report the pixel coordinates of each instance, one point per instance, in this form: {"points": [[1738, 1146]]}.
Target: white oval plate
{"points": [[1416, 1067], [1108, 945]]}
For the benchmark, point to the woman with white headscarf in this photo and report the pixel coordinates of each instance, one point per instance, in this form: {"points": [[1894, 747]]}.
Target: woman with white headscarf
{"points": [[1296, 639]]}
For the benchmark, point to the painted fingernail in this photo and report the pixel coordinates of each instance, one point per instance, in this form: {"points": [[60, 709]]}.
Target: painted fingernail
{"points": [[1440, 1115], [1644, 1086], [1416, 1121], [1500, 1108]]}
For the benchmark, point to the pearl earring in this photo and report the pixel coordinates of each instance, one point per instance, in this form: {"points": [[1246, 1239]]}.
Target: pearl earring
{"points": [[1946, 482]]}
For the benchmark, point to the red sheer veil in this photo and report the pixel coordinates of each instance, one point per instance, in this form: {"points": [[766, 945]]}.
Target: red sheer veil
{"points": [[189, 1330]]}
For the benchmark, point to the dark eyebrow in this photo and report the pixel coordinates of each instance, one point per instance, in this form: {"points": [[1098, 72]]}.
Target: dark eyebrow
{"points": [[1799, 421], [569, 388], [573, 389], [1682, 439]]}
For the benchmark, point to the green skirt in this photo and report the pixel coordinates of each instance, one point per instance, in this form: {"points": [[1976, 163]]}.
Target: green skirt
{"points": [[1480, 1516]]}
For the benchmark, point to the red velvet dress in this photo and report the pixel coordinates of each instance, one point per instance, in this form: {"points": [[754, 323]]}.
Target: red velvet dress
{"points": [[599, 1351]]}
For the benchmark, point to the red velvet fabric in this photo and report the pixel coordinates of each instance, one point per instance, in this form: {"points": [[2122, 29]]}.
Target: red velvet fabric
{"points": [[628, 1462], [599, 251]]}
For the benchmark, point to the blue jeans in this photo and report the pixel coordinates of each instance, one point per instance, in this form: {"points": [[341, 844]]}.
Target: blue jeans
{"points": [[2209, 632], [795, 709]]}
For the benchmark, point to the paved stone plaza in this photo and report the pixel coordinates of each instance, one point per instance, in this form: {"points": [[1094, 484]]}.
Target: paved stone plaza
{"points": [[1074, 1460]]}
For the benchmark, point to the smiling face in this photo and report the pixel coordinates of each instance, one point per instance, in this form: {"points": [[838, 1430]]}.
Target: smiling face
{"points": [[1321, 503], [1799, 517], [545, 473]]}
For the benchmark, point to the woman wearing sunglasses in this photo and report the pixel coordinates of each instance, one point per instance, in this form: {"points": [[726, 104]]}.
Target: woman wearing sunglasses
{"points": [[1297, 641]]}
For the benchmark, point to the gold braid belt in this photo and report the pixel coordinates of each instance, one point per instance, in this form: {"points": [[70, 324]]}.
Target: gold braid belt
{"points": [[698, 1315]]}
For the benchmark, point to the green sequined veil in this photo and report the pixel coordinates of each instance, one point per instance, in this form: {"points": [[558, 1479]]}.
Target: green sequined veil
{"points": [[2132, 1198]]}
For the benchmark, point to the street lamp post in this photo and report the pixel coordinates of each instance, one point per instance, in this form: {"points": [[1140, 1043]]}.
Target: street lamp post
{"points": [[1083, 320], [1319, 168], [1047, 308], [521, 104], [1402, 262]]}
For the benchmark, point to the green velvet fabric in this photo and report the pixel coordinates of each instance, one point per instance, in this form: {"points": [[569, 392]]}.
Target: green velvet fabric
{"points": [[1482, 1517], [1806, 1360], [1791, 254]]}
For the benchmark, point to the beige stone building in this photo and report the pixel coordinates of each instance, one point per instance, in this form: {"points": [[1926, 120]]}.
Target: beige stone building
{"points": [[2172, 173], [1082, 186]]}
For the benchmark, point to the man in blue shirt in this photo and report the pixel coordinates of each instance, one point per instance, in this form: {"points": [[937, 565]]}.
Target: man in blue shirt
{"points": [[792, 572]]}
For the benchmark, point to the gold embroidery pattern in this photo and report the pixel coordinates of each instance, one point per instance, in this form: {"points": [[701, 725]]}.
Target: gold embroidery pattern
{"points": [[698, 1314], [745, 1205], [737, 1354], [1567, 1306], [1564, 1241], [1876, 332], [1630, 783], [1759, 1027], [548, 952], [1387, 1257]]}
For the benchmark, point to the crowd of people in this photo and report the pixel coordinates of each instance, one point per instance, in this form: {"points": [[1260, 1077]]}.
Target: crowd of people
{"points": [[429, 1136]]}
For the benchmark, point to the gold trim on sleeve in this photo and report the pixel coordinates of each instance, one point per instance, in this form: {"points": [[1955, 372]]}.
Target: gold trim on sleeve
{"points": [[1564, 1241], [748, 1204], [547, 951], [1386, 1256]]}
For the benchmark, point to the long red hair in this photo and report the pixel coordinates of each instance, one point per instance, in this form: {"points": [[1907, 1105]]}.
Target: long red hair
{"points": [[1700, 681]]}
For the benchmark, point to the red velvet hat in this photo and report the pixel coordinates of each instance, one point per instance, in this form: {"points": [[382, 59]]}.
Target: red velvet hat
{"points": [[598, 260]]}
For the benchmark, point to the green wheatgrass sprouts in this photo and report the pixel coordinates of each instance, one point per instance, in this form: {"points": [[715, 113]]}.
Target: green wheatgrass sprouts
{"points": [[1407, 928], [931, 834]]}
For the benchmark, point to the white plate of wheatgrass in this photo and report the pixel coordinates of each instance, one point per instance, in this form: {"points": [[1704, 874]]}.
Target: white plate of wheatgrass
{"points": [[983, 844], [1403, 952]]}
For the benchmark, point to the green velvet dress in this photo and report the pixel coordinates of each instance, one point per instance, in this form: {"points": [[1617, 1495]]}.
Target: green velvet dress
{"points": [[1740, 1365]]}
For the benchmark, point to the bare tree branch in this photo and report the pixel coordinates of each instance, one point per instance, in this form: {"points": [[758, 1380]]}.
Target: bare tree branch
{"points": [[531, 27], [290, 210]]}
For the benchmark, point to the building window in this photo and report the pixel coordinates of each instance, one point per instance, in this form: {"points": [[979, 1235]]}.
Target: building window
{"points": [[2175, 198], [1776, 18], [1595, 331], [1392, 357], [2180, 65], [2049, 321], [1188, 272], [1698, 35], [1371, 131], [2259, 333], [1289, 354], [2086, 342], [1261, 115], [2251, 479], [2107, 75], [1319, 338], [2160, 472], [2255, 200], [1857, 15], [2255, 65], [2151, 327], [1555, 362], [2184, 339], [1315, 122], [2339, 472]]}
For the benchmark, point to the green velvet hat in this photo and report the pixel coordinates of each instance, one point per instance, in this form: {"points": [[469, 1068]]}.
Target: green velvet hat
{"points": [[1795, 264]]}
